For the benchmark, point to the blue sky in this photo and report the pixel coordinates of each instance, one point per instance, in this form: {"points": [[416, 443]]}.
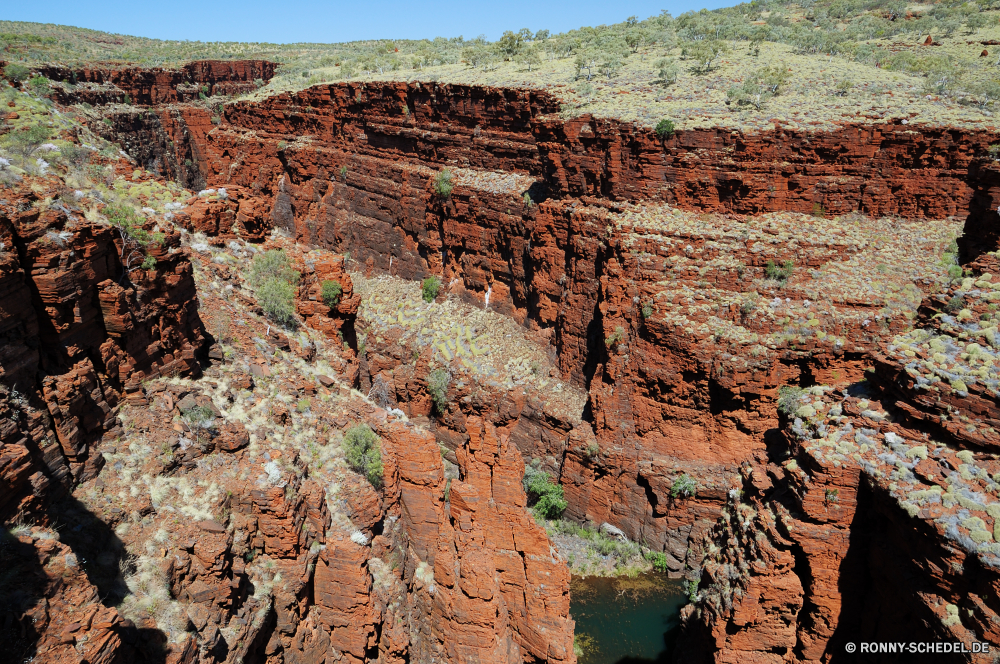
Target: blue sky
{"points": [[303, 21]]}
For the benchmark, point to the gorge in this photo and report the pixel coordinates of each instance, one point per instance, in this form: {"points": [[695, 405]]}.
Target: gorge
{"points": [[774, 316]]}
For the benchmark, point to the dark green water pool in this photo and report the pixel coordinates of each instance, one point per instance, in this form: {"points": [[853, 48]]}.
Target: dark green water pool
{"points": [[626, 620]]}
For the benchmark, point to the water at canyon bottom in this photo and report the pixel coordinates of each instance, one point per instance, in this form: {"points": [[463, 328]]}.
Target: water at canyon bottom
{"points": [[626, 620]]}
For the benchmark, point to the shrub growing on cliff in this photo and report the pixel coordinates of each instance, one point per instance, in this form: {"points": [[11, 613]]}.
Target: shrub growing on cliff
{"points": [[430, 287], [683, 487], [273, 263], [442, 183], [276, 298], [272, 276], [437, 387], [135, 239], [545, 496], [664, 128], [659, 561], [332, 290], [39, 85], [616, 337], [789, 398], [363, 453], [779, 272]]}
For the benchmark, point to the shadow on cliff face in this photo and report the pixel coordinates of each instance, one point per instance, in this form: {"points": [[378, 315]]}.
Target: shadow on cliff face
{"points": [[29, 592], [22, 587]]}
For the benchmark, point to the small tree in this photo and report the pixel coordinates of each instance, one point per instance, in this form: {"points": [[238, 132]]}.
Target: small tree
{"points": [[277, 297], [25, 142], [586, 60], [39, 85], [363, 453], [430, 287], [511, 44], [704, 53], [531, 57], [668, 70], [16, 73], [332, 290], [664, 128], [437, 387], [442, 183], [759, 87], [134, 238]]}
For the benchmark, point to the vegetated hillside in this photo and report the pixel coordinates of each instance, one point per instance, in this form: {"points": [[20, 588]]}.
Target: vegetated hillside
{"points": [[808, 63]]}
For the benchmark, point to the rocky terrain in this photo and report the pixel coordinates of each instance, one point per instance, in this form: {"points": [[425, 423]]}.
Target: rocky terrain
{"points": [[767, 357]]}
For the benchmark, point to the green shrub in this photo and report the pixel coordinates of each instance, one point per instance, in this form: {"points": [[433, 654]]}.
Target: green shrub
{"points": [[789, 398], [955, 304], [16, 73], [647, 308], [198, 416], [664, 128], [126, 99], [273, 263], [39, 85], [683, 486], [616, 337], [442, 183], [25, 142], [363, 453], [332, 290], [430, 287], [437, 387], [545, 496], [668, 70], [135, 238], [659, 560], [277, 298], [779, 272], [302, 405]]}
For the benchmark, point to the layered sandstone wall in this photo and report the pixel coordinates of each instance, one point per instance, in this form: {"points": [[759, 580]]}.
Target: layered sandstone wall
{"points": [[80, 335], [157, 85]]}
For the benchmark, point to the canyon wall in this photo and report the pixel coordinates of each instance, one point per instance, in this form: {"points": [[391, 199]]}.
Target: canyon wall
{"points": [[79, 335], [538, 216]]}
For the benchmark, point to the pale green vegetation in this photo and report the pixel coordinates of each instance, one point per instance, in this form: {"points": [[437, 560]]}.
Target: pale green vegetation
{"points": [[437, 387], [363, 453], [853, 59], [867, 274], [273, 278], [683, 487]]}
